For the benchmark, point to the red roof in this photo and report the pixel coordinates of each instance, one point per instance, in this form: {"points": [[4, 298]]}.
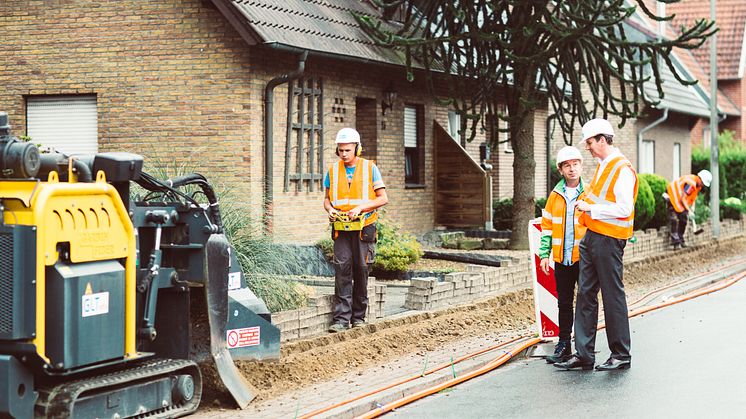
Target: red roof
{"points": [[731, 19]]}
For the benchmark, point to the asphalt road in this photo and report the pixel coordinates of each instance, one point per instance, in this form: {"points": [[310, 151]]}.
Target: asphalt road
{"points": [[688, 361]]}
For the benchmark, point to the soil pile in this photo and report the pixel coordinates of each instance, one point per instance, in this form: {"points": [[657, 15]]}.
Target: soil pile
{"points": [[323, 358]]}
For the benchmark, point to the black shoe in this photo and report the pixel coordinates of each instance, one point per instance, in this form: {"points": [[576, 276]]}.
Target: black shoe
{"points": [[561, 352], [358, 323], [614, 364], [337, 327], [575, 362]]}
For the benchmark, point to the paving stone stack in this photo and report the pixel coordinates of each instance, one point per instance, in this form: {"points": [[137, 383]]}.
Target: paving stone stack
{"points": [[316, 317]]}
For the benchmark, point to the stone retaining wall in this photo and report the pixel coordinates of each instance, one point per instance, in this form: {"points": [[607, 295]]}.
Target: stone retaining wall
{"points": [[462, 287], [477, 283], [480, 282], [316, 317]]}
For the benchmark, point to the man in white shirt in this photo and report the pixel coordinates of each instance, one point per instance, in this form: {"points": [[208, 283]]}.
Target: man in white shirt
{"points": [[608, 212]]}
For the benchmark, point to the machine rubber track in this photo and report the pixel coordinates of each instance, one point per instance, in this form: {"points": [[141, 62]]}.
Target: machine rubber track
{"points": [[59, 401]]}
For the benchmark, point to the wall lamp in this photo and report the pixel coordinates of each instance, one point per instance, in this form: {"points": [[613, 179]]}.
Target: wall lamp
{"points": [[387, 102]]}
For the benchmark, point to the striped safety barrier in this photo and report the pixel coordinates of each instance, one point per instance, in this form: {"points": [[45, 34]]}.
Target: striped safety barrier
{"points": [[545, 286]]}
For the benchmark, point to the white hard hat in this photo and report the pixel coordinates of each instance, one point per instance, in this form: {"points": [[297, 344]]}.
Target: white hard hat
{"points": [[706, 177], [347, 136], [568, 153], [595, 127]]}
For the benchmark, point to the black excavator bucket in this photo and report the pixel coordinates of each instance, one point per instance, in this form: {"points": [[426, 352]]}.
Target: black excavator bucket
{"points": [[216, 293]]}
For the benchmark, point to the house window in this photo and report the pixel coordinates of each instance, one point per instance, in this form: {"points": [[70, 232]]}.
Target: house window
{"points": [[413, 149], [454, 127], [68, 124], [676, 160], [647, 161]]}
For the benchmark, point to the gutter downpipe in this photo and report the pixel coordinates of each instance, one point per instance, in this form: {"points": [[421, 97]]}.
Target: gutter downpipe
{"points": [[646, 129], [548, 135], [268, 136]]}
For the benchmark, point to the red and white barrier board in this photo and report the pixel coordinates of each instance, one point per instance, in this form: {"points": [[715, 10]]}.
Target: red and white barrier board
{"points": [[545, 286]]}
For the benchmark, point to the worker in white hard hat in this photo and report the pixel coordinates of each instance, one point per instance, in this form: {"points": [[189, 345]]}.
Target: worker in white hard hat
{"points": [[680, 196], [560, 237], [355, 190], [608, 212]]}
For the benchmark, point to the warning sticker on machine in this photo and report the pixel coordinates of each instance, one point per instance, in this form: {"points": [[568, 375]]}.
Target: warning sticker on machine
{"points": [[239, 338], [95, 304], [234, 280]]}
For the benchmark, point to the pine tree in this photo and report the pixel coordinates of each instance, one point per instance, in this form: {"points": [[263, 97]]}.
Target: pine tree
{"points": [[507, 57]]}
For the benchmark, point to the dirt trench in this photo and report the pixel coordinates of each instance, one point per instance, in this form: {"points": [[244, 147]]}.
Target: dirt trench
{"points": [[324, 358]]}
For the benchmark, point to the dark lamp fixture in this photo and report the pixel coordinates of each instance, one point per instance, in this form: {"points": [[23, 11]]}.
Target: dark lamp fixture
{"points": [[387, 102]]}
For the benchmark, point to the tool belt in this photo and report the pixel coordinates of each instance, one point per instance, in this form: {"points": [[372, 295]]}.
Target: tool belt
{"points": [[344, 223]]}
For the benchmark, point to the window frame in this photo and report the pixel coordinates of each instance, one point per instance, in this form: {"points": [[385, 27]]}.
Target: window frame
{"points": [[415, 155]]}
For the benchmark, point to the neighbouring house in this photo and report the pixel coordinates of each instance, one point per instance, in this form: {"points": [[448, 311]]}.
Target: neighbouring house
{"points": [[731, 62]]}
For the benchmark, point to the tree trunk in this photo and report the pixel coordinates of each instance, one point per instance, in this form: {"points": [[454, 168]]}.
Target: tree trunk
{"points": [[524, 168]]}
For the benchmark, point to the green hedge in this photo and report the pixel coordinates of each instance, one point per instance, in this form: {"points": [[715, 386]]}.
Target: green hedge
{"points": [[732, 208], [502, 216], [395, 250], [645, 205], [658, 187], [731, 166]]}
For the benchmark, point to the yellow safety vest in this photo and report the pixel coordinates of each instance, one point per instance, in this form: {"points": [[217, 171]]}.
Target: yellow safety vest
{"points": [[553, 224], [346, 196], [601, 191]]}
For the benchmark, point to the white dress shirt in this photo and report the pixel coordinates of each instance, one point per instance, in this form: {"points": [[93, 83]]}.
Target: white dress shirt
{"points": [[623, 190]]}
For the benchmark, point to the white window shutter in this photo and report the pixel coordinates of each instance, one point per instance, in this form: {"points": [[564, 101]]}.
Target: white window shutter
{"points": [[410, 126], [69, 124]]}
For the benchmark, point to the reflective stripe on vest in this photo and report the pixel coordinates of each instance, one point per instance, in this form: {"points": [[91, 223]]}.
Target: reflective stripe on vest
{"points": [[601, 191], [346, 196], [555, 226], [676, 193]]}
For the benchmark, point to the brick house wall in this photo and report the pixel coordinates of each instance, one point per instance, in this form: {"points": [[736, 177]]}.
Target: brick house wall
{"points": [[171, 78], [674, 130], [175, 83]]}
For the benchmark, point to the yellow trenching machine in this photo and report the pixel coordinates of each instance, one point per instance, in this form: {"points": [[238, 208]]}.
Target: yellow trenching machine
{"points": [[109, 308]]}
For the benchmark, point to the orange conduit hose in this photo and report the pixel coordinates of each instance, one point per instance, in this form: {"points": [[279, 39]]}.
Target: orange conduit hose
{"points": [[505, 358], [420, 394], [406, 380]]}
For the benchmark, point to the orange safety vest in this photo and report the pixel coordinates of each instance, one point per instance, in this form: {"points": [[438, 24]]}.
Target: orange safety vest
{"points": [[346, 196], [676, 193], [553, 224], [601, 191]]}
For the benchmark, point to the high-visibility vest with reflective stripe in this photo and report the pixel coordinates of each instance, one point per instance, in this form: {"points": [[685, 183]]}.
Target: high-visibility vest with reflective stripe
{"points": [[601, 191], [346, 196], [676, 192], [553, 224]]}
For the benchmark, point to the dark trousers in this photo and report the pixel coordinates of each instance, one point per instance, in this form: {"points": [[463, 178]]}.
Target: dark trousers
{"points": [[352, 259], [566, 277], [601, 268], [677, 223]]}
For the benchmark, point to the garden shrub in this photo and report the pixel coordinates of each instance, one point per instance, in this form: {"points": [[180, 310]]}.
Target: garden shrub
{"points": [[502, 218], [645, 205], [396, 250], [732, 208], [658, 187], [262, 262]]}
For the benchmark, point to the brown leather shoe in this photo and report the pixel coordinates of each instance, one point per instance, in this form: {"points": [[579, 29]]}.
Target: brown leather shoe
{"points": [[575, 362], [613, 364]]}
